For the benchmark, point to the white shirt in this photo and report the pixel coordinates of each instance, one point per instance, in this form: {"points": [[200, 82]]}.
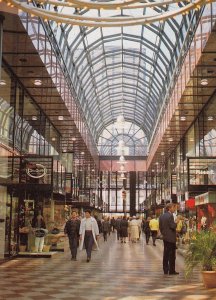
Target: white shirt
{"points": [[88, 225]]}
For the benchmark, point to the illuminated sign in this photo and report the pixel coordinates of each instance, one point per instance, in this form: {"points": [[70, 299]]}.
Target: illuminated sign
{"points": [[36, 170]]}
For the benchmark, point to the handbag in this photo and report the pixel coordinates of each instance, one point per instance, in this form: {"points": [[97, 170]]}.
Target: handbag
{"points": [[55, 231], [39, 233]]}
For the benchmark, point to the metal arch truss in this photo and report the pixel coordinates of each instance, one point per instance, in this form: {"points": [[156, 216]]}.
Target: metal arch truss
{"points": [[169, 9]]}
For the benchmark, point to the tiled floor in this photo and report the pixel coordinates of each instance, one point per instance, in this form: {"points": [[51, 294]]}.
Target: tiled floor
{"points": [[117, 272]]}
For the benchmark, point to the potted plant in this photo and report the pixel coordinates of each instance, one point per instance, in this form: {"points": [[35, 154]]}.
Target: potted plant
{"points": [[202, 253]]}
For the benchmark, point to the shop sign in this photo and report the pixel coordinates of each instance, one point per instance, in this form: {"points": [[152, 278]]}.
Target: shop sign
{"points": [[36, 171], [204, 172], [205, 198]]}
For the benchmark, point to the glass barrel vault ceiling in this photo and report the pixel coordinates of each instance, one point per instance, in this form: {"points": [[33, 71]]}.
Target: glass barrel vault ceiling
{"points": [[122, 70]]}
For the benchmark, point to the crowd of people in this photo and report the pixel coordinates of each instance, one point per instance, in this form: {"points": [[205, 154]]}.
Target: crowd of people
{"points": [[84, 233]]}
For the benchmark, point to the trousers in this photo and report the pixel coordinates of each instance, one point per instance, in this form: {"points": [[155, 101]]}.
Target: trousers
{"points": [[73, 243], [169, 257], [39, 243], [88, 242]]}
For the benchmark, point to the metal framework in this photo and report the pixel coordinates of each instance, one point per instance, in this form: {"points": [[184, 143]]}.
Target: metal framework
{"points": [[121, 70]]}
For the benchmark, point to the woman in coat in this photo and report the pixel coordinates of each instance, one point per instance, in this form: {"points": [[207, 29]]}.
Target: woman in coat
{"points": [[89, 232], [124, 230], [134, 230]]}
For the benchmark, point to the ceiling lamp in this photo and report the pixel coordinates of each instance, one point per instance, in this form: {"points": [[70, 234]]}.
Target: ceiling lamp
{"points": [[34, 118], [210, 118], [91, 20], [204, 82], [122, 176], [120, 123], [60, 118], [121, 160], [3, 82], [183, 118], [120, 119], [37, 82], [121, 144]]}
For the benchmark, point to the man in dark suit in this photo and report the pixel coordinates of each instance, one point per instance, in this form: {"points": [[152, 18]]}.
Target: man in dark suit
{"points": [[72, 230], [168, 230]]}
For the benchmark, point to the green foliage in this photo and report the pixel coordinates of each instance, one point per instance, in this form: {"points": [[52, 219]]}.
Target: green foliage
{"points": [[201, 252]]}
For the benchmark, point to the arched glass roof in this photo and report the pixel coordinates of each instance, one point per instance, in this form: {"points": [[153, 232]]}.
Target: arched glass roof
{"points": [[133, 138], [122, 70]]}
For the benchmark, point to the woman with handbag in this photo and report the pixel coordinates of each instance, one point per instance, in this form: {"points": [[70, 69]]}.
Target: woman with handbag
{"points": [[40, 232]]}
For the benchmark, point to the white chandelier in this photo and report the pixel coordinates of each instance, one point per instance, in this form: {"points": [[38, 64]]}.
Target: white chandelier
{"points": [[46, 9], [120, 123]]}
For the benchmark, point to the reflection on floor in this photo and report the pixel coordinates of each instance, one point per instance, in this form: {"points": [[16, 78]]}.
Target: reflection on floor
{"points": [[117, 272]]}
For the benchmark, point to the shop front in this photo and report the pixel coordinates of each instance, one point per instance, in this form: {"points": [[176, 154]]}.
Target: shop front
{"points": [[206, 210], [25, 187]]}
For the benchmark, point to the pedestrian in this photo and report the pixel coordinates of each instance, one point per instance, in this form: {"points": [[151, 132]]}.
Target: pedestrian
{"points": [[89, 233], [72, 228], [124, 229], [134, 230], [139, 221], [112, 224], [118, 227], [147, 230], [154, 227], [168, 230], [105, 228], [39, 231]]}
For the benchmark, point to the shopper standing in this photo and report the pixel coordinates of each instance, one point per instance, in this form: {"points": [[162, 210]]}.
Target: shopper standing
{"points": [[72, 227], [154, 227], [168, 230], [89, 233], [40, 231]]}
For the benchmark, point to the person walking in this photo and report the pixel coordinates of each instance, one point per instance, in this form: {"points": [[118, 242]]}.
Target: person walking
{"points": [[72, 227], [105, 228], [118, 227], [124, 229], [147, 230], [89, 233], [134, 230], [168, 230], [112, 224], [154, 227]]}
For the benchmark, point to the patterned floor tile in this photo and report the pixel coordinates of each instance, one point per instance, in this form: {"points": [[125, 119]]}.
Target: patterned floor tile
{"points": [[116, 272]]}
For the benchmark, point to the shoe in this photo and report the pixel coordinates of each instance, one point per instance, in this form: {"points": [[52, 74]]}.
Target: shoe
{"points": [[124, 242], [88, 259], [174, 273], [154, 244]]}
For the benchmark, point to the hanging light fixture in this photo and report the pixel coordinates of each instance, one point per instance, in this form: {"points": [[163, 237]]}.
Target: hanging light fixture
{"points": [[120, 122], [121, 144], [121, 160], [122, 176]]}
